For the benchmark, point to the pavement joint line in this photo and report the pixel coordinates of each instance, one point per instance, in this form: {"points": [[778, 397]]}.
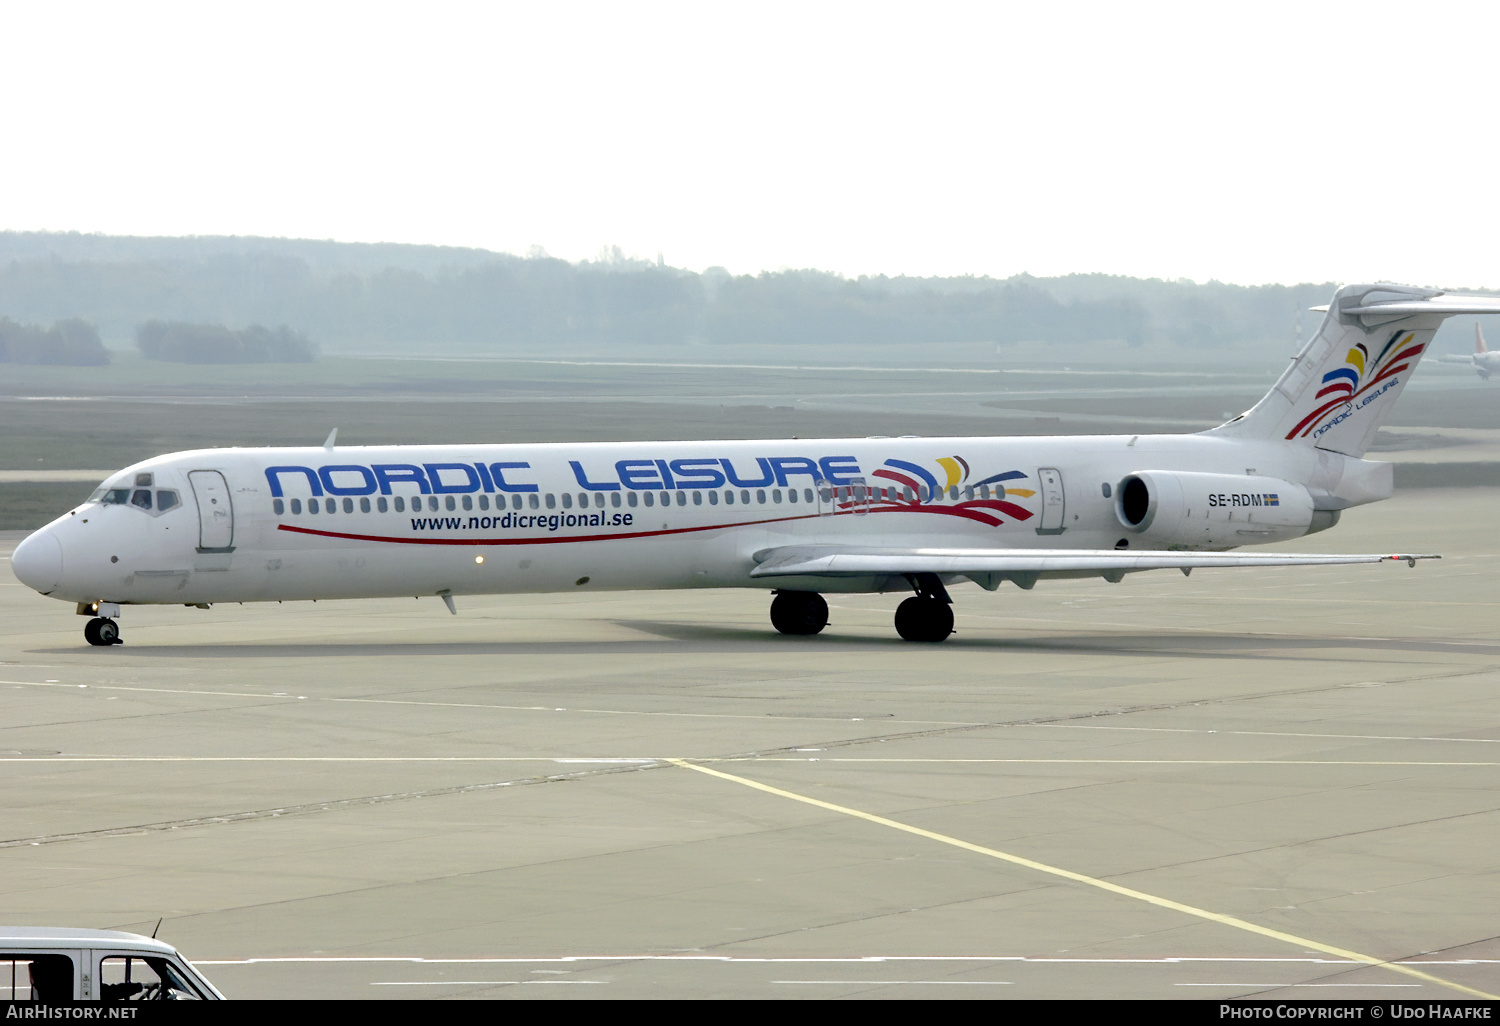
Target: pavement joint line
{"points": [[327, 805], [480, 705], [835, 719], [1091, 881]]}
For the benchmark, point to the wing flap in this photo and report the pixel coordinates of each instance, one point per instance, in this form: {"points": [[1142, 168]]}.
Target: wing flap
{"points": [[860, 562]]}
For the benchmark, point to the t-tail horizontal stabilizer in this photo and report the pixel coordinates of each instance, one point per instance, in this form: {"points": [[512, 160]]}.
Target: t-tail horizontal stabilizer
{"points": [[1342, 385]]}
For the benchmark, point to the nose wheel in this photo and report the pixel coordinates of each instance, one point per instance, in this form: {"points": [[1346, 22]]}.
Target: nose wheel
{"points": [[102, 631]]}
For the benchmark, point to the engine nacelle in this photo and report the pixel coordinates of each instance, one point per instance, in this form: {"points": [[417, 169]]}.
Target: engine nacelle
{"points": [[1179, 509]]}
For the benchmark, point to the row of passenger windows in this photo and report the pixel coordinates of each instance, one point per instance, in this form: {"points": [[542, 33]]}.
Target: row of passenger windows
{"points": [[744, 497]]}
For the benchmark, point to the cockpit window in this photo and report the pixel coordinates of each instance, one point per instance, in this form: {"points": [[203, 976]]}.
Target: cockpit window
{"points": [[143, 480], [154, 501]]}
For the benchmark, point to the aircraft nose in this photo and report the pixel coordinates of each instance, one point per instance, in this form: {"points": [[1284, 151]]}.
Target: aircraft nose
{"points": [[38, 562]]}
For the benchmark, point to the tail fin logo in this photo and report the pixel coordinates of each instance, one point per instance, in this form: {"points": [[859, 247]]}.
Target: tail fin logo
{"points": [[1360, 373]]}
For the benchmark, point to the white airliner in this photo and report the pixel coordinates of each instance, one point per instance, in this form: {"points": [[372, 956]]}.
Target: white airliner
{"points": [[794, 516], [1483, 361]]}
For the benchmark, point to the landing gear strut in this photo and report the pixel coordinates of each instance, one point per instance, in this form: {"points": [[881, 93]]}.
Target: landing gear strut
{"points": [[102, 631], [929, 615], [799, 612]]}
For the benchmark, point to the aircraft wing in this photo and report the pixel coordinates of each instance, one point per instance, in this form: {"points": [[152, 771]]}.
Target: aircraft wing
{"points": [[1027, 565]]}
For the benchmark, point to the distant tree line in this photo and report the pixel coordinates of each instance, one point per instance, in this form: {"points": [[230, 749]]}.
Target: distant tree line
{"points": [[179, 342], [72, 342], [426, 299]]}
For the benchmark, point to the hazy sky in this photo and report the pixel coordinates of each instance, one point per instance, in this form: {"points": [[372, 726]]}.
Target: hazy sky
{"points": [[1248, 142]]}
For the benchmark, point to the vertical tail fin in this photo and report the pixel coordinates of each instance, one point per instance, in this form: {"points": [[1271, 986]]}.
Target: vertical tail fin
{"points": [[1343, 384], [1479, 346]]}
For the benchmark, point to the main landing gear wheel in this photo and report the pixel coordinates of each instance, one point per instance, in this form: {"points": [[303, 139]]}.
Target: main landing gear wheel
{"points": [[799, 612], [102, 631], [924, 619]]}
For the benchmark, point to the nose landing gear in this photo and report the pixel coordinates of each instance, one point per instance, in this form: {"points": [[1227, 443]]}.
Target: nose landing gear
{"points": [[102, 631]]}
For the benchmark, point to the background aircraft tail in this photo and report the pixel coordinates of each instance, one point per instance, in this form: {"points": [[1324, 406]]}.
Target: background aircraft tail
{"points": [[1479, 346], [1343, 384]]}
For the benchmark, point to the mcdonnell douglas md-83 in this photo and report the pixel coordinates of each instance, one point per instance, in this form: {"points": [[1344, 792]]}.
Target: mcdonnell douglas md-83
{"points": [[797, 517]]}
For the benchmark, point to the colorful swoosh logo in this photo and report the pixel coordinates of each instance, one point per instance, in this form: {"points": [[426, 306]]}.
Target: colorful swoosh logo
{"points": [[1359, 374], [926, 486]]}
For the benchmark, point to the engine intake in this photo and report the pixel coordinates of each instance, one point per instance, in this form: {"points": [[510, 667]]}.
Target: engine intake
{"points": [[1185, 510]]}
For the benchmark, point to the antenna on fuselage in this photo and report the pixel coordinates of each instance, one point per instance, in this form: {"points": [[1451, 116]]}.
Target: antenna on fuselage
{"points": [[331, 436]]}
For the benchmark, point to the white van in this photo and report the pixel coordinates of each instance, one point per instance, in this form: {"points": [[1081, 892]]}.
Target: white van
{"points": [[53, 966]]}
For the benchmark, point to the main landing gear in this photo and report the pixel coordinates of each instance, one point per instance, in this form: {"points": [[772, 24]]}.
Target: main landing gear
{"points": [[799, 612], [101, 631], [927, 616]]}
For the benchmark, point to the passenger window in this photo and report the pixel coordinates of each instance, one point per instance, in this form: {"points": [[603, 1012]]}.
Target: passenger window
{"points": [[432, 503], [630, 499], [131, 978], [760, 496], [776, 495], [599, 500], [141, 498], [551, 501], [614, 499], [515, 502], [400, 504], [697, 498], [166, 500], [364, 505], [312, 505], [380, 504], [278, 507], [567, 500], [484, 502], [745, 497], [468, 501], [807, 495], [728, 498], [648, 498], [296, 506], [143, 480], [536, 503], [682, 498], [583, 500], [329, 506], [969, 493], [43, 978], [448, 501], [348, 505]]}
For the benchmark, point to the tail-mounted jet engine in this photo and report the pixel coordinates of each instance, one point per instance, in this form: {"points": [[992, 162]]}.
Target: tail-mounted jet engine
{"points": [[1171, 509]]}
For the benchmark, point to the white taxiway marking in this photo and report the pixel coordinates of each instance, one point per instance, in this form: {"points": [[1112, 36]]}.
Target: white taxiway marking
{"points": [[472, 983], [664, 760], [865, 959], [890, 983]]}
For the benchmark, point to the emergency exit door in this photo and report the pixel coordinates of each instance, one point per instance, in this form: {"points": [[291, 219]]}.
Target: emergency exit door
{"points": [[215, 512], [1054, 504]]}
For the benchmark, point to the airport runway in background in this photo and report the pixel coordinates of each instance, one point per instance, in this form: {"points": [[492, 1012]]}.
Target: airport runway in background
{"points": [[1243, 783]]}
